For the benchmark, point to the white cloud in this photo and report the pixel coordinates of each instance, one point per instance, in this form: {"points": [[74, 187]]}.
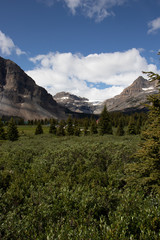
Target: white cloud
{"points": [[97, 9], [73, 4], [154, 25], [7, 46], [71, 72]]}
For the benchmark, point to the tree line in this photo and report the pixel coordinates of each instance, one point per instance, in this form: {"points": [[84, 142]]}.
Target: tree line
{"points": [[123, 123]]}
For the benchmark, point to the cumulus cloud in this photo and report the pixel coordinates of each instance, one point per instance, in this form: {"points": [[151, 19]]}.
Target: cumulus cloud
{"points": [[154, 25], [7, 46], [97, 9], [72, 72]]}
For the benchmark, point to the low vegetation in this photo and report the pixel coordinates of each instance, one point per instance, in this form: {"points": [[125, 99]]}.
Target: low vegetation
{"points": [[70, 187], [94, 185]]}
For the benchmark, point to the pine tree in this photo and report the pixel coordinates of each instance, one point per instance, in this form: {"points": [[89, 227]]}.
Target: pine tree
{"points": [[138, 126], [146, 172], [93, 127], [70, 129], [86, 126], [2, 132], [131, 126], [76, 128], [52, 128], [12, 131], [120, 129], [39, 129], [60, 129], [105, 126]]}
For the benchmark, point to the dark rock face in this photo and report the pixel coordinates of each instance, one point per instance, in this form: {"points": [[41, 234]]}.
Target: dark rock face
{"points": [[20, 96], [133, 97], [73, 102]]}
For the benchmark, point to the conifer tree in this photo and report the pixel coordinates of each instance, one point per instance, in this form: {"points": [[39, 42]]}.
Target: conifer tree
{"points": [[86, 126], [131, 126], [147, 170], [138, 126], [60, 129], [2, 132], [76, 128], [120, 129], [52, 128], [12, 131], [105, 126], [70, 129], [93, 127], [39, 129]]}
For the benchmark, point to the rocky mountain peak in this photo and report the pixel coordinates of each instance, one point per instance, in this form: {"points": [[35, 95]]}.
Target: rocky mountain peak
{"points": [[139, 85], [132, 98]]}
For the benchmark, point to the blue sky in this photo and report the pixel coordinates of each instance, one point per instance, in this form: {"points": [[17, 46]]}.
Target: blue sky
{"points": [[92, 48]]}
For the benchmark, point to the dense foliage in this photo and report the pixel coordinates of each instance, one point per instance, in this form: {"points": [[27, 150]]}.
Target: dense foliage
{"points": [[72, 188]]}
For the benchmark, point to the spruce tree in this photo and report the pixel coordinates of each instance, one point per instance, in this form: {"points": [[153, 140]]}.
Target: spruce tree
{"points": [[120, 129], [93, 127], [76, 128], [131, 126], [138, 126], [52, 128], [105, 126], [146, 171], [12, 131], [70, 128], [2, 132], [39, 129], [60, 129]]}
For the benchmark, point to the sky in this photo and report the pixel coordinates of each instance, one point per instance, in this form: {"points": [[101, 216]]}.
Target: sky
{"points": [[91, 48]]}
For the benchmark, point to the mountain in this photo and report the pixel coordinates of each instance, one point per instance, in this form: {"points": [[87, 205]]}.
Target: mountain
{"points": [[74, 103], [21, 97], [132, 98]]}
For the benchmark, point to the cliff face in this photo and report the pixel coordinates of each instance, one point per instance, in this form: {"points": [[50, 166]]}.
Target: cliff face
{"points": [[20, 96]]}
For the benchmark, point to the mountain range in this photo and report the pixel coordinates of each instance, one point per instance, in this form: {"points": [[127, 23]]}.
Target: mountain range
{"points": [[133, 98], [21, 96]]}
